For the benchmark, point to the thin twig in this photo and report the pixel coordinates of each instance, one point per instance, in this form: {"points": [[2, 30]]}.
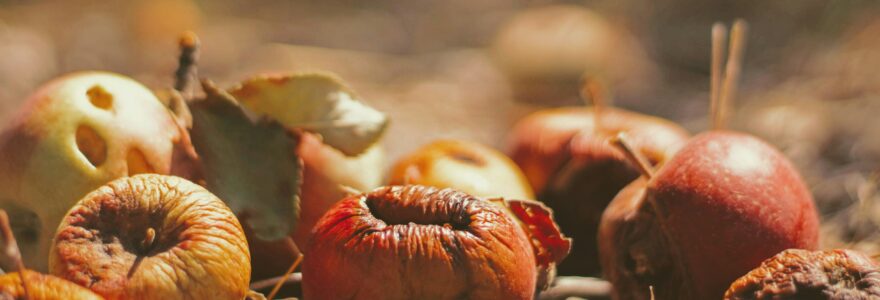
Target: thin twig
{"points": [[12, 251], [299, 257], [733, 68], [634, 156], [187, 62], [572, 286], [595, 92], [294, 278], [719, 34]]}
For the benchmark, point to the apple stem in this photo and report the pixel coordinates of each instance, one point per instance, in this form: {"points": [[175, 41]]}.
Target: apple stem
{"points": [[719, 34], [635, 157], [731, 71], [651, 290], [149, 239], [595, 92], [187, 62], [299, 258], [12, 250]]}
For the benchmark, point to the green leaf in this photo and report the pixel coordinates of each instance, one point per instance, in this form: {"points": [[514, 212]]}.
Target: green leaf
{"points": [[318, 103], [251, 165]]}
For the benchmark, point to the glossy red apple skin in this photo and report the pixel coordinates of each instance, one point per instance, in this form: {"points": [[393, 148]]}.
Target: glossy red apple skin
{"points": [[418, 242], [575, 169], [723, 204], [324, 170]]}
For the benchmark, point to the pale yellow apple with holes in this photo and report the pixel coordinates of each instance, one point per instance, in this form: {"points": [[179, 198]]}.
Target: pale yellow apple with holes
{"points": [[73, 135]]}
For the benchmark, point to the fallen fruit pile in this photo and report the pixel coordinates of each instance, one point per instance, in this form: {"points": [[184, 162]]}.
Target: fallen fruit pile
{"points": [[120, 192]]}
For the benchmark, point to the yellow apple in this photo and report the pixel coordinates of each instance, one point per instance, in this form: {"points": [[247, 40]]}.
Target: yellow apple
{"points": [[470, 167]]}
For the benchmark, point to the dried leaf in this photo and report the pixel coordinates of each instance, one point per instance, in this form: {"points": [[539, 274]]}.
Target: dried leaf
{"points": [[318, 103], [550, 245], [251, 165]]}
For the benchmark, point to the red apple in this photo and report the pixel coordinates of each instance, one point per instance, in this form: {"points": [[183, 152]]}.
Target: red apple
{"points": [[470, 167], [575, 170], [801, 274], [724, 203], [326, 173], [153, 236], [417, 242]]}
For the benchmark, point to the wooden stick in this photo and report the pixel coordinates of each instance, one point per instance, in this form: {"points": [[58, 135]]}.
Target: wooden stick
{"points": [[294, 278], [566, 287], [732, 70], [12, 251], [595, 92], [290, 270], [634, 156], [187, 61], [719, 34]]}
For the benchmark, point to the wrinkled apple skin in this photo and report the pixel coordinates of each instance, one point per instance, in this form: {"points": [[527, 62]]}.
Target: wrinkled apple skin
{"points": [[466, 166], [199, 251], [723, 204], [576, 170], [44, 287], [324, 170], [42, 170], [417, 242]]}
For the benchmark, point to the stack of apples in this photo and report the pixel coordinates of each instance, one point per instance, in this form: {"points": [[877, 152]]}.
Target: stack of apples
{"points": [[121, 194]]}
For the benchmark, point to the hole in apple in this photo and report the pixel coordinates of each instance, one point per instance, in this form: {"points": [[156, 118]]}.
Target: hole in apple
{"points": [[137, 162], [91, 145], [100, 98]]}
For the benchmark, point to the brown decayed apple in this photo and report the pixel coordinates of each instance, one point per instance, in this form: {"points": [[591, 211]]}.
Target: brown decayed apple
{"points": [[153, 237], [71, 136], [417, 242], [470, 167], [575, 169], [44, 287], [801, 274], [724, 203]]}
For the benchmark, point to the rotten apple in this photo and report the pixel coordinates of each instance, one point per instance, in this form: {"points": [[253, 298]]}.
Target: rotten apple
{"points": [[41, 286], [724, 203], [467, 166], [417, 242], [801, 274], [73, 135], [575, 170], [153, 236]]}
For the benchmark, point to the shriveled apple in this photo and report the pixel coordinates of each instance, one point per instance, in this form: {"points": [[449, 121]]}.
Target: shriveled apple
{"points": [[801, 274], [470, 167], [71, 136], [41, 286], [417, 242], [153, 237]]}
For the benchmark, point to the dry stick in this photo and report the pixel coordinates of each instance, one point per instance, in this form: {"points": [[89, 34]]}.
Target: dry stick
{"points": [[187, 62], [295, 277], [12, 250], [595, 92], [290, 270], [719, 34], [733, 68], [574, 286], [635, 157]]}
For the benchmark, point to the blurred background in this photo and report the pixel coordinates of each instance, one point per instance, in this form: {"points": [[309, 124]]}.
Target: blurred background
{"points": [[469, 69]]}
